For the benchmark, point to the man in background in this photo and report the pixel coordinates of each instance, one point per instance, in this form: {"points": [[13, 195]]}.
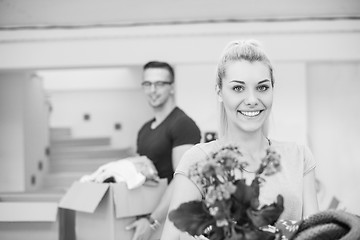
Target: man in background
{"points": [[163, 139]]}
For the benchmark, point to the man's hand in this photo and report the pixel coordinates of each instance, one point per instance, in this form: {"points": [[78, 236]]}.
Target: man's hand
{"points": [[142, 229]]}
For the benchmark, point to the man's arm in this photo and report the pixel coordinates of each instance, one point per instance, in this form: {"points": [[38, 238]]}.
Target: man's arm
{"points": [[178, 152], [142, 226], [161, 210]]}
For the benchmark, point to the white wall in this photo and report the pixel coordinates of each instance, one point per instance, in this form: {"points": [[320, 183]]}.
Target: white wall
{"points": [[195, 93], [36, 131], [288, 120], [23, 129], [12, 165], [91, 79], [334, 130]]}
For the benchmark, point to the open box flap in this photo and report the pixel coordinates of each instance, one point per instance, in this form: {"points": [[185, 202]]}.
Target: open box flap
{"points": [[138, 201], [28, 211], [84, 197]]}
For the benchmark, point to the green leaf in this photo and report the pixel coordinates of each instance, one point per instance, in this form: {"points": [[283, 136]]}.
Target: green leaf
{"points": [[268, 214], [244, 197], [192, 217]]}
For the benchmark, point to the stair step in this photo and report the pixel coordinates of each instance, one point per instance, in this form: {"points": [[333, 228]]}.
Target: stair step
{"points": [[60, 133], [92, 153], [77, 165], [69, 149], [37, 196], [72, 158], [62, 180], [82, 160], [79, 142], [66, 217]]}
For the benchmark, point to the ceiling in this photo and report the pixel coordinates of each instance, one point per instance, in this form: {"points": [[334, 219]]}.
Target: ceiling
{"points": [[34, 14]]}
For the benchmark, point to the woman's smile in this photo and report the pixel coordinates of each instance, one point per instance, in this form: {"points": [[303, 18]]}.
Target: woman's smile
{"points": [[250, 113]]}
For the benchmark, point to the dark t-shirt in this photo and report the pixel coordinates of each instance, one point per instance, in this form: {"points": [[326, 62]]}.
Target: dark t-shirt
{"points": [[157, 144]]}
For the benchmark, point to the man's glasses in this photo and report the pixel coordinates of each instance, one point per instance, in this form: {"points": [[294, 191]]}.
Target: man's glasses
{"points": [[157, 84]]}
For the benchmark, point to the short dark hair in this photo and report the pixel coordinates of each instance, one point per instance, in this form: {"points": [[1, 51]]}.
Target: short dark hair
{"points": [[164, 65]]}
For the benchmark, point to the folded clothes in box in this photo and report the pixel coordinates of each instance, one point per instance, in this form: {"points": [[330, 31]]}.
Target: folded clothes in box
{"points": [[134, 171]]}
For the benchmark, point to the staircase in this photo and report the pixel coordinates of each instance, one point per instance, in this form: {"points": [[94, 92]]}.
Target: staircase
{"points": [[71, 158]]}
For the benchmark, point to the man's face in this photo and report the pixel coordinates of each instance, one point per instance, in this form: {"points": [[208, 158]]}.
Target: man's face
{"points": [[157, 86]]}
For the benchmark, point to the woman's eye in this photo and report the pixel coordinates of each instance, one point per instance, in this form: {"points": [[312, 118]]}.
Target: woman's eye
{"points": [[263, 88], [238, 88]]}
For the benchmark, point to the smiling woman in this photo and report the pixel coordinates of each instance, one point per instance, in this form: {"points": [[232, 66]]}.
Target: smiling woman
{"points": [[250, 75], [247, 97], [244, 86]]}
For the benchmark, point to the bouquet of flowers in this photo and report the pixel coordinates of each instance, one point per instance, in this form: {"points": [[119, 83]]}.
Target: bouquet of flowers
{"points": [[230, 209]]}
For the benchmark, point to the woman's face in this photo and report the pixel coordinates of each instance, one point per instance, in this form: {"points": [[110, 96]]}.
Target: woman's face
{"points": [[247, 95]]}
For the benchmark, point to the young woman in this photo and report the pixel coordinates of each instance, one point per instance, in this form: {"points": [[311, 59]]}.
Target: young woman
{"points": [[244, 86]]}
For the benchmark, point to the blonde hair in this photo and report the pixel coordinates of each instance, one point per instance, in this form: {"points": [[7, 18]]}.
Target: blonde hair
{"points": [[240, 50]]}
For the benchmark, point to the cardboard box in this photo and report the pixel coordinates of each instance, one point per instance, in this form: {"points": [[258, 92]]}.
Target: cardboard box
{"points": [[103, 210], [29, 220]]}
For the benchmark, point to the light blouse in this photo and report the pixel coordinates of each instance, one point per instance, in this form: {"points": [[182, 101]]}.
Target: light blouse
{"points": [[296, 161]]}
